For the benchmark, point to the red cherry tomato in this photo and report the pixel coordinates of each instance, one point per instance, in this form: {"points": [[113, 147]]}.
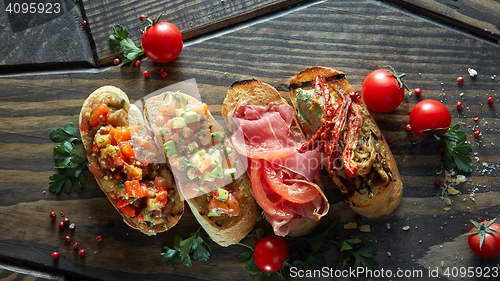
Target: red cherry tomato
{"points": [[162, 42], [491, 244], [270, 252], [429, 114], [381, 91]]}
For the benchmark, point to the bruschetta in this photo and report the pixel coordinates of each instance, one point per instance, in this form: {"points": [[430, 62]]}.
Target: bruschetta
{"points": [[338, 124], [123, 157], [285, 183], [206, 168]]}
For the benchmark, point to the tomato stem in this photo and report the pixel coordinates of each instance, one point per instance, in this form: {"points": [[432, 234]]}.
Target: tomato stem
{"points": [[398, 78], [482, 229], [245, 245]]}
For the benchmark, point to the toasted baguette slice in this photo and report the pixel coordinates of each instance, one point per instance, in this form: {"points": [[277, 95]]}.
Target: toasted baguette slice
{"points": [[259, 93], [162, 216], [378, 199], [224, 230]]}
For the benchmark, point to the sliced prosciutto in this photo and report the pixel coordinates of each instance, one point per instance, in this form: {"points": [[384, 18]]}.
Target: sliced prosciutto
{"points": [[283, 180]]}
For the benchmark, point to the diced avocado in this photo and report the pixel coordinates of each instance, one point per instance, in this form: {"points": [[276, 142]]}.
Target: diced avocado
{"points": [[191, 173], [191, 117], [228, 150], [207, 176], [169, 148], [184, 101], [218, 136], [216, 158], [222, 194], [178, 123], [229, 173], [217, 172], [201, 152], [192, 146], [210, 214]]}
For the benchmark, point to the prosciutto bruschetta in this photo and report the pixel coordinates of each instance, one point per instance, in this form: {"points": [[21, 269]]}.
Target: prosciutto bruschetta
{"points": [[340, 126], [124, 160], [207, 169], [285, 183]]}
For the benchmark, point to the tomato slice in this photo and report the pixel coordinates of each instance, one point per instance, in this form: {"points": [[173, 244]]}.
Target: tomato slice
{"points": [[135, 189], [121, 134], [274, 210], [297, 192], [162, 196]]}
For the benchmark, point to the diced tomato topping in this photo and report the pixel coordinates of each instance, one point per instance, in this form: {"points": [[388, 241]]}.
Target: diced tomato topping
{"points": [[95, 170], [162, 196], [100, 113], [84, 126], [118, 176], [122, 202], [231, 206], [133, 172], [128, 210], [135, 189], [96, 149], [139, 217], [127, 150], [117, 161], [121, 134]]}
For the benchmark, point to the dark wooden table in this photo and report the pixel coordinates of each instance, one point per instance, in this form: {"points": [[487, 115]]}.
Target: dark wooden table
{"points": [[50, 64]]}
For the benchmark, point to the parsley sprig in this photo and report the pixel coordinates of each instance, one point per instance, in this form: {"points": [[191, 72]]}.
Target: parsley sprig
{"points": [[454, 146], [68, 159], [119, 41], [185, 250]]}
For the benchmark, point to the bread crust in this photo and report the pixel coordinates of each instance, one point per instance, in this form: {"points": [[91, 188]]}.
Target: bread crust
{"points": [[114, 93], [223, 230], [381, 200], [260, 93]]}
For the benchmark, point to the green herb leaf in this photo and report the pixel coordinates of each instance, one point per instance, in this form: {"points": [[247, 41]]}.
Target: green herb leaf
{"points": [[69, 160], [244, 256], [454, 147], [252, 267], [119, 42], [195, 245]]}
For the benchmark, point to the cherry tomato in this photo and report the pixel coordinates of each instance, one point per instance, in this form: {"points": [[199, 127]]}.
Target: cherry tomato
{"points": [[270, 252], [429, 114], [381, 91], [491, 245], [162, 42]]}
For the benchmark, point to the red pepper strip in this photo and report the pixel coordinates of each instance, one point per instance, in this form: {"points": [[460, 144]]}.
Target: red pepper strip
{"points": [[272, 209], [297, 192], [353, 128], [339, 121], [311, 143], [321, 89]]}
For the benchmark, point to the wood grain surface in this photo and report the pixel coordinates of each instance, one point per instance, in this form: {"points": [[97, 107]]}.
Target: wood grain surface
{"points": [[355, 37], [479, 17], [50, 37], [193, 18]]}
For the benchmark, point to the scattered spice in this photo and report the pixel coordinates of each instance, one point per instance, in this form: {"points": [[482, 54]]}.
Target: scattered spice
{"points": [[81, 252], [472, 72], [364, 228], [137, 63], [66, 221], [84, 23], [117, 61], [145, 74], [143, 17], [476, 117], [459, 105], [53, 215], [61, 225], [406, 228], [490, 100], [417, 91], [408, 127], [351, 225], [67, 238], [75, 245], [98, 238], [55, 255], [460, 79], [162, 72], [477, 133], [437, 183]]}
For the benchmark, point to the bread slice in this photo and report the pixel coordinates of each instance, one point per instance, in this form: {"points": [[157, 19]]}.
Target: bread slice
{"points": [[260, 93], [223, 230], [378, 199], [110, 95]]}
